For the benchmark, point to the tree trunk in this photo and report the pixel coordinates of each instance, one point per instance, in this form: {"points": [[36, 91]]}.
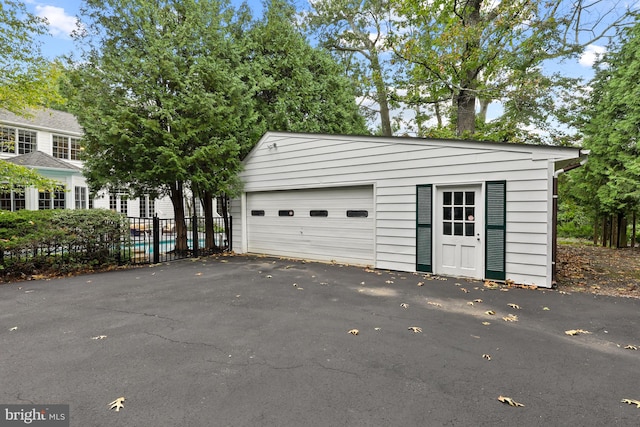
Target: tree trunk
{"points": [[209, 229], [225, 216], [484, 106], [596, 230], [177, 200], [604, 231], [466, 106], [381, 93], [633, 233], [436, 108], [466, 97]]}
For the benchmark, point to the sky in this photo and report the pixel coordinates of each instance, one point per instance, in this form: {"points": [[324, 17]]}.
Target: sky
{"points": [[61, 15]]}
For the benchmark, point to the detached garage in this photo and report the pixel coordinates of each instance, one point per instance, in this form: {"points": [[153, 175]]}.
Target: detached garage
{"points": [[462, 208]]}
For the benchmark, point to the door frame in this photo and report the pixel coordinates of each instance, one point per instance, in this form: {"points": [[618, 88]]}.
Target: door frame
{"points": [[479, 187]]}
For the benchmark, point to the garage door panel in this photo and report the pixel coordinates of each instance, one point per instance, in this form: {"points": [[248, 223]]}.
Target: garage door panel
{"points": [[332, 237]]}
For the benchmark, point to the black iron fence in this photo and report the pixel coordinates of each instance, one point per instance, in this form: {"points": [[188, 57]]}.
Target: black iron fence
{"points": [[143, 241], [154, 240]]}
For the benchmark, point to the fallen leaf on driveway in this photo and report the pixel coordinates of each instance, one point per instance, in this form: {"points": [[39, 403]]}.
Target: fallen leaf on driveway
{"points": [[15, 328], [545, 309], [99, 337], [470, 303], [630, 347], [354, 332], [404, 305], [477, 300], [117, 404], [464, 290], [486, 323], [576, 332], [486, 356], [389, 281], [491, 285], [514, 306], [632, 402], [377, 329], [437, 304], [415, 329], [198, 274], [420, 283], [509, 401], [510, 318], [490, 312]]}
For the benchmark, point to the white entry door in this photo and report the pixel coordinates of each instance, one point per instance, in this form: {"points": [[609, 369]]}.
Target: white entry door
{"points": [[459, 215]]}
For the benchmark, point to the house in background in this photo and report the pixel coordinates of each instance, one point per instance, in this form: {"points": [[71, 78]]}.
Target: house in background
{"points": [[480, 210], [49, 142]]}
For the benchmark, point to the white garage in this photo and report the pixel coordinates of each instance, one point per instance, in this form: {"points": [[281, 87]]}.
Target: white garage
{"points": [[475, 209], [334, 224]]}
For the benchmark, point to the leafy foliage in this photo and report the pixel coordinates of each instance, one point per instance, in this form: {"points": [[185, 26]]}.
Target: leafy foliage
{"points": [[27, 79], [60, 240], [611, 132], [300, 88], [12, 176]]}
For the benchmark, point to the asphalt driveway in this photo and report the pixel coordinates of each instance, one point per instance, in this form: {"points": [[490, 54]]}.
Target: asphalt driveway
{"points": [[248, 341]]}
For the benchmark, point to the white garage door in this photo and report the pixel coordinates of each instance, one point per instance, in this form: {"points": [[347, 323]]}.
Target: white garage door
{"points": [[319, 224]]}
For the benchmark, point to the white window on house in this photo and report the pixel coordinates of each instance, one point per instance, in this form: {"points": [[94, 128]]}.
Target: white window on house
{"points": [[113, 203], [13, 200], [26, 141], [124, 206], [19, 199], [74, 149], [6, 201], [152, 207], [60, 147], [44, 200], [90, 202], [7, 140], [55, 200], [81, 197], [59, 199]]}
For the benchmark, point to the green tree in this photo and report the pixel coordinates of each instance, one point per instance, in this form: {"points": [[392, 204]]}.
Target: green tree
{"points": [[16, 177], [478, 51], [355, 31], [299, 88], [27, 79], [611, 130], [159, 98]]}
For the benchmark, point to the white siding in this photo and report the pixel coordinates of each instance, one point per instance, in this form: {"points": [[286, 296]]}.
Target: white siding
{"points": [[396, 165]]}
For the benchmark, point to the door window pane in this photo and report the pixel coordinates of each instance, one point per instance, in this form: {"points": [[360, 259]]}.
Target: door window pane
{"points": [[469, 229], [469, 198], [457, 198], [446, 200], [457, 213], [446, 213], [457, 228], [446, 229]]}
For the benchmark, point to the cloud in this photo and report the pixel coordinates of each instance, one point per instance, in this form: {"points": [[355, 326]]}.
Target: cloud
{"points": [[591, 54], [60, 24]]}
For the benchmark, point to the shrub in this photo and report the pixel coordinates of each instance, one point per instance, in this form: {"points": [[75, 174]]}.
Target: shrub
{"points": [[61, 241]]}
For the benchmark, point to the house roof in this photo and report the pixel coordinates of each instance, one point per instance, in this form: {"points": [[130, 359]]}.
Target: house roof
{"points": [[538, 151], [45, 119], [40, 160]]}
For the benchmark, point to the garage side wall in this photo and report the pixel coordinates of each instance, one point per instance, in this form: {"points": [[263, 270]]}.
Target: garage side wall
{"points": [[298, 161]]}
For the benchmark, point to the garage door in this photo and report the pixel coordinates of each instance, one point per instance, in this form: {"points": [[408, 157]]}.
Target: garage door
{"points": [[318, 224]]}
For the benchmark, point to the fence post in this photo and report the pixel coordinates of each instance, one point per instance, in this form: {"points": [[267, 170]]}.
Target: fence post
{"points": [[194, 235], [156, 239], [229, 243]]}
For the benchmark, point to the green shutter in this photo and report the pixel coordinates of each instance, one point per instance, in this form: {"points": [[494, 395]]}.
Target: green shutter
{"points": [[423, 228], [496, 229]]}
